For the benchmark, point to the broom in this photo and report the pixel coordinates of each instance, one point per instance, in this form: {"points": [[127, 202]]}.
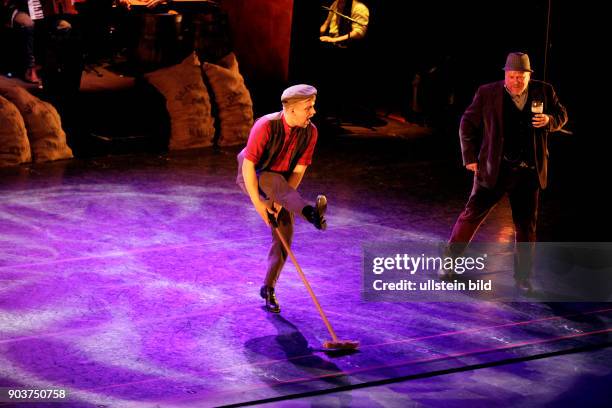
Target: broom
{"points": [[335, 343]]}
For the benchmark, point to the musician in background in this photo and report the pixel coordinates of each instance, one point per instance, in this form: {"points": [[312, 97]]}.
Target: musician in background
{"points": [[152, 5], [339, 29], [16, 15], [342, 76]]}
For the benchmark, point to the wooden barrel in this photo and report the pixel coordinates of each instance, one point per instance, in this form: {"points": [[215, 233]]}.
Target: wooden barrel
{"points": [[210, 35], [159, 38]]}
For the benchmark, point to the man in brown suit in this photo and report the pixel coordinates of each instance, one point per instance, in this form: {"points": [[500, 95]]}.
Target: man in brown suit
{"points": [[505, 145]]}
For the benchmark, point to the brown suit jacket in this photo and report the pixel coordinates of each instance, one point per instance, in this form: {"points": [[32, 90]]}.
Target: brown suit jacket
{"points": [[482, 130]]}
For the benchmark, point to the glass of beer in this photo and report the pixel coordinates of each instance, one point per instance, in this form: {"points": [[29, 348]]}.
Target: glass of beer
{"points": [[537, 107]]}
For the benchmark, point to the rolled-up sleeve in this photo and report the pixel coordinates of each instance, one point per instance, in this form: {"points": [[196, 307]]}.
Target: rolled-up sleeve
{"points": [[361, 14]]}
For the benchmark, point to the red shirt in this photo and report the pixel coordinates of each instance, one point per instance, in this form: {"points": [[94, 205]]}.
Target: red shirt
{"points": [[259, 136]]}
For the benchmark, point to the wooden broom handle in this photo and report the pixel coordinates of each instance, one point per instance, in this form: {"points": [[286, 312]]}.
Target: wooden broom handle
{"points": [[312, 295]]}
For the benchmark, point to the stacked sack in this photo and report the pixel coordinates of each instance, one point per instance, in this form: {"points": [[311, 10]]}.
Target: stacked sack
{"points": [[200, 95], [30, 129]]}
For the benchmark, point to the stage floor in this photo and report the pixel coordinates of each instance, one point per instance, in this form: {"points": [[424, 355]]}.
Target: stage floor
{"points": [[133, 281]]}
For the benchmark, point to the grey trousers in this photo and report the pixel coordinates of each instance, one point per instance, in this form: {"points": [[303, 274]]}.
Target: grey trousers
{"points": [[274, 188]]}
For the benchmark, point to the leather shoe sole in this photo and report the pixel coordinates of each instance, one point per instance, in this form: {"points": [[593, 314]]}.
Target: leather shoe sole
{"points": [[321, 207]]}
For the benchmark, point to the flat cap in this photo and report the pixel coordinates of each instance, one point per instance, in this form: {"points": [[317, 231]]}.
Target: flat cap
{"points": [[297, 92]]}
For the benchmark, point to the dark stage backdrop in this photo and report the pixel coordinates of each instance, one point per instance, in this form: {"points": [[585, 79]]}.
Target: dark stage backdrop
{"points": [[468, 39]]}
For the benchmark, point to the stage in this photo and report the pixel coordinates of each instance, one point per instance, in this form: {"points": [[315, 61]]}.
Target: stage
{"points": [[133, 281]]}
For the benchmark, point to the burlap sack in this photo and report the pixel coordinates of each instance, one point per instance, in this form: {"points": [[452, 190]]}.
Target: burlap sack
{"points": [[14, 145], [188, 103], [43, 125], [233, 100]]}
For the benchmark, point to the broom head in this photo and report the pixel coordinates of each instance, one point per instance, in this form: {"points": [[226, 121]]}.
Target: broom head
{"points": [[341, 345]]}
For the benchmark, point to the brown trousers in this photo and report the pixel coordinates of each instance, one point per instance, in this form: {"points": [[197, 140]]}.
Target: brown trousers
{"points": [[273, 187], [523, 190]]}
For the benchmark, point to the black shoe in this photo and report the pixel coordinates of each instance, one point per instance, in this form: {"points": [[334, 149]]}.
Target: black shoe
{"points": [[524, 286], [267, 293], [316, 215], [446, 274]]}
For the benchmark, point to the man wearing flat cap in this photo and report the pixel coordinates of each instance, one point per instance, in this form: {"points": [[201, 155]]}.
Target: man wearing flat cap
{"points": [[270, 169], [505, 145]]}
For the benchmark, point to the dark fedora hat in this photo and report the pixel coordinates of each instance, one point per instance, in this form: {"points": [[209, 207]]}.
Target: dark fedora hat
{"points": [[518, 61]]}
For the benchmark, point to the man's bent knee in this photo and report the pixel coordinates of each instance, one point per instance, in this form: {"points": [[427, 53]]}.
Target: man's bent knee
{"points": [[269, 179]]}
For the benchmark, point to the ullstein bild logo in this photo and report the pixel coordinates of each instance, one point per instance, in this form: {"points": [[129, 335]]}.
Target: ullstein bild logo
{"points": [[412, 264]]}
